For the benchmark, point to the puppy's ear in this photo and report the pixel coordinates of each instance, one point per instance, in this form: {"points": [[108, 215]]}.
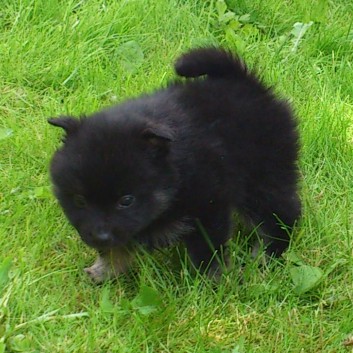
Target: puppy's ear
{"points": [[68, 123], [158, 137]]}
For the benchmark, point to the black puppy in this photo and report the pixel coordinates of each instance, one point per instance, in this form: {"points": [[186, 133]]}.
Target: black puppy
{"points": [[174, 165]]}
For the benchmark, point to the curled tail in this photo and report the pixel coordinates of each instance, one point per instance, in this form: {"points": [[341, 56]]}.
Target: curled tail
{"points": [[212, 62]]}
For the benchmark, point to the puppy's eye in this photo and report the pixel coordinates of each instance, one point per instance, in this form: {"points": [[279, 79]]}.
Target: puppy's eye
{"points": [[125, 201], [80, 201]]}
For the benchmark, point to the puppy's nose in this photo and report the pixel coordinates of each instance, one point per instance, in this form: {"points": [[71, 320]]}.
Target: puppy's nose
{"points": [[103, 236]]}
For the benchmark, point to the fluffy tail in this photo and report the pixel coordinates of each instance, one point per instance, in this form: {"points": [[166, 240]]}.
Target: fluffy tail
{"points": [[212, 62]]}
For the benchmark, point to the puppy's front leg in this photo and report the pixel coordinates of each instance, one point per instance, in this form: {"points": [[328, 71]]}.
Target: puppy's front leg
{"points": [[110, 264], [205, 244]]}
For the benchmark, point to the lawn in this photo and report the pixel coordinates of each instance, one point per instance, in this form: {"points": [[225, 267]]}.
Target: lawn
{"points": [[74, 57]]}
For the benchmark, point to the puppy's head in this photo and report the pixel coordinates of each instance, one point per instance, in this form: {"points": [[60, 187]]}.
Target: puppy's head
{"points": [[113, 175]]}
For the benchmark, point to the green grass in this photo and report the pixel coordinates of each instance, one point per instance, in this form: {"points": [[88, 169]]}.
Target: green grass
{"points": [[74, 57]]}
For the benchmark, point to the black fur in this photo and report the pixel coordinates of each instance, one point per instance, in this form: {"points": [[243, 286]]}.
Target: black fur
{"points": [[193, 152]]}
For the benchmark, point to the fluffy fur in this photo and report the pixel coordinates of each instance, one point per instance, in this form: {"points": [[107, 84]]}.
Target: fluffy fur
{"points": [[151, 170]]}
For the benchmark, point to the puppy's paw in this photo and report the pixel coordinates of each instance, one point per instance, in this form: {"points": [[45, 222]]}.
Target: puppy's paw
{"points": [[99, 271], [109, 265]]}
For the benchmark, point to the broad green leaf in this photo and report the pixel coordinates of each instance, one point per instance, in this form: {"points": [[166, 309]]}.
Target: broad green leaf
{"points": [[244, 18], [147, 300], [294, 258], [221, 8], [227, 17], [130, 55], [146, 310], [40, 193], [233, 25], [249, 30], [300, 28], [20, 343], [5, 133], [305, 278], [298, 31]]}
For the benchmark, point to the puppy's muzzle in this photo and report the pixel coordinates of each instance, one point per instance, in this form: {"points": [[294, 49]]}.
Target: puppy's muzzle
{"points": [[104, 238]]}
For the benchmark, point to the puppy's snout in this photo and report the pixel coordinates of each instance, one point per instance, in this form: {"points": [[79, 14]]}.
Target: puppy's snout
{"points": [[103, 236]]}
